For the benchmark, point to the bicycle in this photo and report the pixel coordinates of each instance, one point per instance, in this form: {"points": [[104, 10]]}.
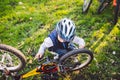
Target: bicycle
{"points": [[11, 59], [116, 5], [116, 11], [69, 62], [102, 6], [86, 5]]}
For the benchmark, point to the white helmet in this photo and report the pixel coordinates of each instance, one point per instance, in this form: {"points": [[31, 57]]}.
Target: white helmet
{"points": [[66, 29]]}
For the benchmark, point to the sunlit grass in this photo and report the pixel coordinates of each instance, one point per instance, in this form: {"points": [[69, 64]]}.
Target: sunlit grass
{"points": [[109, 39], [26, 26]]}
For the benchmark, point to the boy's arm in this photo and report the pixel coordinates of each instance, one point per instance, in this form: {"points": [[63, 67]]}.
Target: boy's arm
{"points": [[79, 41], [46, 44]]}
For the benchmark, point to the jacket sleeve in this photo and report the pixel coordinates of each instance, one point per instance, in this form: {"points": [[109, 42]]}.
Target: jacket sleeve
{"points": [[46, 44], [79, 41]]}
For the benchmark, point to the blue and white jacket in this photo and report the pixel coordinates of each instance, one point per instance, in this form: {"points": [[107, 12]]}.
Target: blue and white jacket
{"points": [[52, 43]]}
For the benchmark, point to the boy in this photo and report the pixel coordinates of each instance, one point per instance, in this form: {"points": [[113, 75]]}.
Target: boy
{"points": [[61, 39]]}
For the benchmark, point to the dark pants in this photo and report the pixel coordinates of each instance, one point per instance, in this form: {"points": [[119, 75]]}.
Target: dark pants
{"points": [[61, 51], [64, 51]]}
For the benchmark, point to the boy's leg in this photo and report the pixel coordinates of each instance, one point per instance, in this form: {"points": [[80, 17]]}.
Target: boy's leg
{"points": [[61, 52], [64, 51]]}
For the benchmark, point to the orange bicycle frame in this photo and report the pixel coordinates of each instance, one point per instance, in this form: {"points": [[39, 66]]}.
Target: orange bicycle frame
{"points": [[42, 68], [114, 2]]}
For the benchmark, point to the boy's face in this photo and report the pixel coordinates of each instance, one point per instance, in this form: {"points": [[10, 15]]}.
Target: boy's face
{"points": [[60, 39]]}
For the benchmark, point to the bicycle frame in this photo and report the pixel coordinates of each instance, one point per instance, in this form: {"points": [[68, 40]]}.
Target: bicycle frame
{"points": [[30, 73], [44, 68], [41, 70], [114, 2]]}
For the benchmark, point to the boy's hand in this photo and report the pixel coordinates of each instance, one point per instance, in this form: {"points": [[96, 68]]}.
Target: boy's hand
{"points": [[38, 56]]}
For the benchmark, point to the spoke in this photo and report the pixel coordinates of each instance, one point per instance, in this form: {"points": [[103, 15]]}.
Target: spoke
{"points": [[7, 60], [3, 58]]}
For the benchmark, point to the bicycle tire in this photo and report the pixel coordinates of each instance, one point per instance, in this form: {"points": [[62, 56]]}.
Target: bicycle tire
{"points": [[17, 54], [116, 12], [74, 53], [86, 6], [101, 7]]}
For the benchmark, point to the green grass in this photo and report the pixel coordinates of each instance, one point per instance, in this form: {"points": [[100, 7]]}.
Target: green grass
{"points": [[25, 25]]}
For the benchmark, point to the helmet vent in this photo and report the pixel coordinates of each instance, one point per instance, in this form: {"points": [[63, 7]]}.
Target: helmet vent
{"points": [[70, 30], [69, 23], [65, 29], [61, 27], [64, 21], [59, 24]]}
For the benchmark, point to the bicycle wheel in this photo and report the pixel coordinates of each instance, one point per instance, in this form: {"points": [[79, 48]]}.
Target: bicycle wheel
{"points": [[86, 5], [103, 4], [11, 58], [76, 59], [116, 12]]}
